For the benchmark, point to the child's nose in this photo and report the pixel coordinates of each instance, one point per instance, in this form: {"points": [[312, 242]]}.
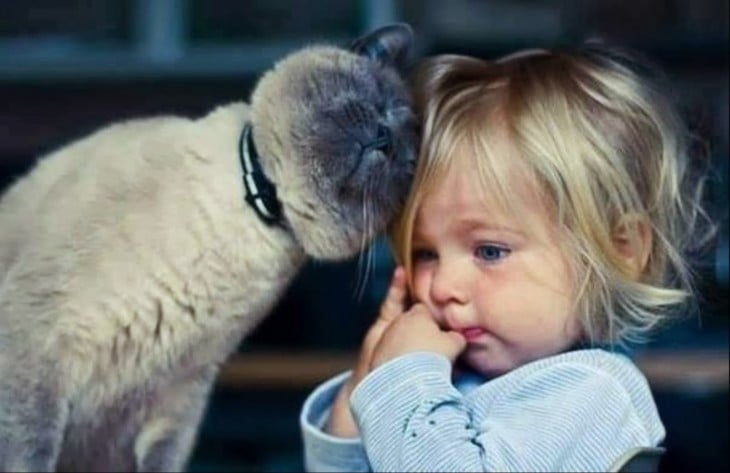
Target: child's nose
{"points": [[449, 284]]}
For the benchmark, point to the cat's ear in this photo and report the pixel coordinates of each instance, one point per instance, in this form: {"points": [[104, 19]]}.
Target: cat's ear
{"points": [[388, 45]]}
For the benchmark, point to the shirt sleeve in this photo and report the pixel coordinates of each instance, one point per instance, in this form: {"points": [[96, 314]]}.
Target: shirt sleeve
{"points": [[412, 418], [564, 417], [322, 451]]}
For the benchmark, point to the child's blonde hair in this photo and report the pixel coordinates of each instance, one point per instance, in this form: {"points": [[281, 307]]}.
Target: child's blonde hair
{"points": [[607, 148]]}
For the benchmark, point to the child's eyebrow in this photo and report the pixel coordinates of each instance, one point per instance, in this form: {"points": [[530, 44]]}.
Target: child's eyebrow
{"points": [[470, 225]]}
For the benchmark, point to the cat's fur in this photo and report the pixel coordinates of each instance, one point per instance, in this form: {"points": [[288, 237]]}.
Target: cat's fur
{"points": [[131, 266]]}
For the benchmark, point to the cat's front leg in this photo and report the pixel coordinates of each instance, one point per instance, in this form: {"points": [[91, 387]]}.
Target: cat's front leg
{"points": [[167, 437], [33, 417]]}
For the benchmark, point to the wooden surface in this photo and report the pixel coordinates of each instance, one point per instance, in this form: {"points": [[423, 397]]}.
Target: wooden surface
{"points": [[686, 370], [283, 370]]}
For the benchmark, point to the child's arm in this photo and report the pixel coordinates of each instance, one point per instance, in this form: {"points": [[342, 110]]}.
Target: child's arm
{"points": [[340, 422], [330, 435], [572, 412], [409, 413], [323, 451]]}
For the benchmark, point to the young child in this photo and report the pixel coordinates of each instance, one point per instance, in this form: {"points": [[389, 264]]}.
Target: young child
{"points": [[552, 214]]}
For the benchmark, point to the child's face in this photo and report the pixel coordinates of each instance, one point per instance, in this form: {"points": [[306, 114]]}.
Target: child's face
{"points": [[480, 272]]}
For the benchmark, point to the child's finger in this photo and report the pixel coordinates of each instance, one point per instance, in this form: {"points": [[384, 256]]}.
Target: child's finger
{"points": [[458, 341], [453, 344], [394, 303], [391, 308]]}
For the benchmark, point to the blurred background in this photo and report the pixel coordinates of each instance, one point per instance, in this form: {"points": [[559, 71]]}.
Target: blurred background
{"points": [[70, 66]]}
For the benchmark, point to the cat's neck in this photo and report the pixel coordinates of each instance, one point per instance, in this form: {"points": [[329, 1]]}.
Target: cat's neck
{"points": [[256, 260], [260, 191], [221, 160]]}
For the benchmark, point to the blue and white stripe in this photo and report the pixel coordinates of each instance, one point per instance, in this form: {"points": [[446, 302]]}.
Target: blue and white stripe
{"points": [[577, 411]]}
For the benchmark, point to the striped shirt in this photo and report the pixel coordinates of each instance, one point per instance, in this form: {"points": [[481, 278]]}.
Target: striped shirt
{"points": [[576, 411]]}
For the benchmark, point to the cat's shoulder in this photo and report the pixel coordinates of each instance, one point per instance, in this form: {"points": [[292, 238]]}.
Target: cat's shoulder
{"points": [[140, 125], [228, 114]]}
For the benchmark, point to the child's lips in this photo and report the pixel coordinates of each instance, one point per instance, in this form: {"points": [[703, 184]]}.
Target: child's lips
{"points": [[473, 333]]}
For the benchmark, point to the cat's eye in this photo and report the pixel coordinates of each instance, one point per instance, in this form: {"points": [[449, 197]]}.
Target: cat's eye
{"points": [[384, 141]]}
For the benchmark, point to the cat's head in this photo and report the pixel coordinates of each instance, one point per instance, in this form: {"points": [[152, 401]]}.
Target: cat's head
{"points": [[338, 138]]}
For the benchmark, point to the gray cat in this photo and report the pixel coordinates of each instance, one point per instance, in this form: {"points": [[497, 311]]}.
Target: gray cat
{"points": [[133, 261]]}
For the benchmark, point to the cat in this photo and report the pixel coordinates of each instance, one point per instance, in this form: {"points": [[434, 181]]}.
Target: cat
{"points": [[134, 261]]}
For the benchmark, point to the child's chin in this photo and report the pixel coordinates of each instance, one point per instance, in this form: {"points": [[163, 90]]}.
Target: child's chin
{"points": [[481, 363]]}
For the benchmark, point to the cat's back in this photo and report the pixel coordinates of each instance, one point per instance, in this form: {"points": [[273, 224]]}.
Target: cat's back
{"points": [[117, 198], [121, 226], [80, 186], [79, 168]]}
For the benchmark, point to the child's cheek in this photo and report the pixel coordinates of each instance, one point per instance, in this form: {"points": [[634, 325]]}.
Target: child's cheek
{"points": [[420, 286]]}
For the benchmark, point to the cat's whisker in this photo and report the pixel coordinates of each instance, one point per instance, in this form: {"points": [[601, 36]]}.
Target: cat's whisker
{"points": [[363, 262], [360, 284], [370, 265], [371, 252], [368, 235], [356, 289]]}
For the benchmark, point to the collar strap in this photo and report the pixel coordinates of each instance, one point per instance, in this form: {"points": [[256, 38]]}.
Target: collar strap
{"points": [[260, 191]]}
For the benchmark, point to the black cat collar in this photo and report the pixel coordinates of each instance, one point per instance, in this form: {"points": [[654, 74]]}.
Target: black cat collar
{"points": [[260, 192]]}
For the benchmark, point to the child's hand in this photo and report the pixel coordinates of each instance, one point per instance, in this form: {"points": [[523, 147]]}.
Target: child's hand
{"points": [[416, 330], [393, 306], [340, 422]]}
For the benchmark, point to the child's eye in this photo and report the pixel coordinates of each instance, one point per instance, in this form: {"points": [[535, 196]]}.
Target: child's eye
{"points": [[491, 252], [423, 255]]}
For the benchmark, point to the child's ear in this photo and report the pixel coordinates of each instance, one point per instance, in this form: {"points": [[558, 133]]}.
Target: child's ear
{"points": [[633, 238]]}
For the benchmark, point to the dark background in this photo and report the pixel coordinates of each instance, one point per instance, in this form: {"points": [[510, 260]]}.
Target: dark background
{"points": [[70, 66]]}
